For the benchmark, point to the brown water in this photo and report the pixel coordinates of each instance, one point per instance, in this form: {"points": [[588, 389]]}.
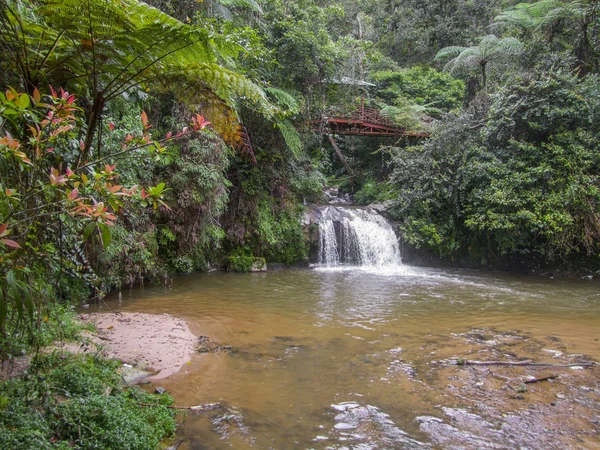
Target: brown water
{"points": [[305, 340]]}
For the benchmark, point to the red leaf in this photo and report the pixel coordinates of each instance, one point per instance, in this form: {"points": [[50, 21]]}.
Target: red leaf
{"points": [[10, 243], [144, 119]]}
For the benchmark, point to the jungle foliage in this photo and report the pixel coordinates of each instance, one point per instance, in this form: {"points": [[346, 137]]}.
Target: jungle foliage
{"points": [[80, 402], [138, 141], [141, 140]]}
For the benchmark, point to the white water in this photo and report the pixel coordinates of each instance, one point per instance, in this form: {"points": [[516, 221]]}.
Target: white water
{"points": [[356, 237]]}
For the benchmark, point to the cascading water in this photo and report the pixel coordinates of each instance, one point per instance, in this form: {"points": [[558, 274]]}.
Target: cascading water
{"points": [[357, 237]]}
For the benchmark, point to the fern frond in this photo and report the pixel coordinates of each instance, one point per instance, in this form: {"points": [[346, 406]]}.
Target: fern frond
{"points": [[290, 136], [449, 52], [284, 99], [252, 5]]}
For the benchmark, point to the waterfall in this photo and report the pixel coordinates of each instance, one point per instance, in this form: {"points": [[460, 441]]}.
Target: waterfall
{"points": [[357, 237]]}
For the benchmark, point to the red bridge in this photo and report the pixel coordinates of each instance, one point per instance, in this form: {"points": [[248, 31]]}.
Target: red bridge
{"points": [[361, 122]]}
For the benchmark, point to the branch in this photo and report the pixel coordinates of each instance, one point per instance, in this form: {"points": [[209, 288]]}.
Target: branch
{"points": [[526, 363], [198, 408], [535, 380]]}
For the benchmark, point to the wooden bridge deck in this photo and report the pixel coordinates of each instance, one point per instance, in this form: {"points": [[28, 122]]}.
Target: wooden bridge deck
{"points": [[361, 122]]}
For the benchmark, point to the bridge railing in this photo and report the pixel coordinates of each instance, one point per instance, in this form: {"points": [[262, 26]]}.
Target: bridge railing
{"points": [[365, 115]]}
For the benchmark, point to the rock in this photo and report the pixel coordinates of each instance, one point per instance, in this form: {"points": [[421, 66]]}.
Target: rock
{"points": [[373, 429], [259, 265], [175, 446], [160, 390], [382, 207], [560, 396], [133, 375]]}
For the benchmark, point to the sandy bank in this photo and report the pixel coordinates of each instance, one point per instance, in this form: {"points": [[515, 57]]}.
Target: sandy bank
{"points": [[159, 342]]}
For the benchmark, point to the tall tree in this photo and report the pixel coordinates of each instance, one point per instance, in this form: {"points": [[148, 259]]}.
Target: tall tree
{"points": [[105, 48], [580, 15], [491, 54]]}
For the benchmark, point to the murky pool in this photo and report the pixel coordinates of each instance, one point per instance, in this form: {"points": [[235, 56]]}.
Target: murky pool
{"points": [[356, 358]]}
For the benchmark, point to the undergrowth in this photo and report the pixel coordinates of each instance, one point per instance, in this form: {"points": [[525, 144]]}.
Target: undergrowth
{"points": [[79, 402]]}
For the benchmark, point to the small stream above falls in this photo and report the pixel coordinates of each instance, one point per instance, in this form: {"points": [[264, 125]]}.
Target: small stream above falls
{"points": [[356, 237]]}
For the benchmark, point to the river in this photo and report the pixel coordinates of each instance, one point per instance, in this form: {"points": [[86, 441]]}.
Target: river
{"points": [[306, 341]]}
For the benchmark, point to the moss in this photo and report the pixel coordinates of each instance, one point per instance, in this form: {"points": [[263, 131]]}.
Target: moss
{"points": [[244, 263]]}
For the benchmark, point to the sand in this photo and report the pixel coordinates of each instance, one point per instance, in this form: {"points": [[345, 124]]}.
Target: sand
{"points": [[155, 342]]}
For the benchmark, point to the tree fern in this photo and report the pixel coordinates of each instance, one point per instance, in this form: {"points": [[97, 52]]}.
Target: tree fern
{"points": [[105, 48], [284, 98], [291, 136], [579, 15], [489, 54]]}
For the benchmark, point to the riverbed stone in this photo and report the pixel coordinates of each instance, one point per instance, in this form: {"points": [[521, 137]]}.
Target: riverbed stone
{"points": [[371, 429], [259, 265], [133, 375]]}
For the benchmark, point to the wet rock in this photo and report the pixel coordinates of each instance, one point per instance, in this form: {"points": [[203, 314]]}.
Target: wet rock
{"points": [[133, 375], [259, 265], [468, 431], [205, 345], [382, 207], [366, 427], [332, 195]]}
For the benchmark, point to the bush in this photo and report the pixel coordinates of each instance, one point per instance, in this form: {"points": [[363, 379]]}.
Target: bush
{"points": [[78, 402], [244, 263]]}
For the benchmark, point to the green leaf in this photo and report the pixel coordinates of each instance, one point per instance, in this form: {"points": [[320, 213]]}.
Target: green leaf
{"points": [[105, 233], [89, 228], [3, 309], [23, 101], [291, 136]]}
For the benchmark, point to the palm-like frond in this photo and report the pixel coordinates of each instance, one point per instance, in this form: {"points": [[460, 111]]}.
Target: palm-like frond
{"points": [[499, 49], [542, 13], [108, 47], [469, 58], [283, 98], [449, 52], [408, 115], [490, 52], [290, 136]]}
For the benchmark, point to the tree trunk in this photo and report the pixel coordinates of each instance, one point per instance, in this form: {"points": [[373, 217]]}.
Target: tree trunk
{"points": [[338, 152], [483, 74], [92, 125]]}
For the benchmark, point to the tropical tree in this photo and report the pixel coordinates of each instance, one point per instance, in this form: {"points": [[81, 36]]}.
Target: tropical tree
{"points": [[549, 14], [103, 49], [491, 54]]}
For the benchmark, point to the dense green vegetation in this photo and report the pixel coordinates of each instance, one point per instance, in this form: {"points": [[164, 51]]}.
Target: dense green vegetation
{"points": [[138, 141], [79, 402]]}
